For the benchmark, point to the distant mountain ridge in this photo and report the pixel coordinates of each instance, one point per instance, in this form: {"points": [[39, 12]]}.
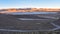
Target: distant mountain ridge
{"points": [[31, 10]]}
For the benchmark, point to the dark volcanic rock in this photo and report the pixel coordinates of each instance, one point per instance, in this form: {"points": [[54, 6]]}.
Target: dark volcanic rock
{"points": [[10, 22], [57, 22]]}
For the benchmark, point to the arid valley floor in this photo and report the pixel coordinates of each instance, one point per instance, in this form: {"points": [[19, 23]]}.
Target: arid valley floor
{"points": [[40, 22]]}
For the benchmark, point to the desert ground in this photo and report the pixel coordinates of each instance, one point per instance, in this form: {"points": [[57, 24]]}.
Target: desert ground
{"points": [[13, 23]]}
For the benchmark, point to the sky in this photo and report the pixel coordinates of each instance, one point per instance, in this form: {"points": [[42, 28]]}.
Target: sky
{"points": [[29, 3]]}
